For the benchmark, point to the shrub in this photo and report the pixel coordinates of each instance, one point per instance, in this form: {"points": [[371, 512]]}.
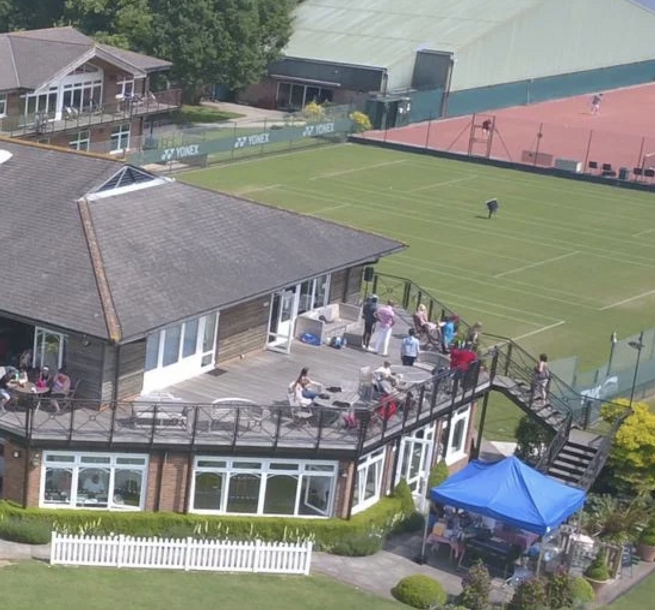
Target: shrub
{"points": [[404, 496], [25, 531], [414, 523], [325, 533], [476, 588], [597, 569], [419, 591], [359, 546], [360, 121], [438, 475], [530, 594], [582, 592], [647, 536], [314, 111]]}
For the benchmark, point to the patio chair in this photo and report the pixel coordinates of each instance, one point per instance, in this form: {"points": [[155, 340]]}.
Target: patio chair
{"points": [[66, 402], [300, 413], [251, 415], [223, 412]]}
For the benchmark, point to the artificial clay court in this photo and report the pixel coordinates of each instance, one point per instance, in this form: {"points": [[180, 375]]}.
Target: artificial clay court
{"points": [[622, 134]]}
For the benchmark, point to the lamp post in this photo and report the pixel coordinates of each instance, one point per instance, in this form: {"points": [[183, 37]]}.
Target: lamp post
{"points": [[613, 341], [638, 345]]}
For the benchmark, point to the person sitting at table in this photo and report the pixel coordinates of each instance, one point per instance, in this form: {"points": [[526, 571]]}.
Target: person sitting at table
{"points": [[384, 379], [302, 384], [21, 378], [5, 396], [61, 387], [43, 379]]}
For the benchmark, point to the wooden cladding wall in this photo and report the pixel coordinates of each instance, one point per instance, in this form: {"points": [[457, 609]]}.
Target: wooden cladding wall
{"points": [[242, 329], [346, 285], [131, 366], [84, 361]]}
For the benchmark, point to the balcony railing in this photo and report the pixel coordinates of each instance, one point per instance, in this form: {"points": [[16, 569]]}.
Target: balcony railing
{"points": [[197, 426], [75, 119]]}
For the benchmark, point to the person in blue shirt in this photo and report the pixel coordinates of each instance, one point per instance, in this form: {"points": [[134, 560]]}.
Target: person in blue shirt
{"points": [[448, 332], [409, 348]]}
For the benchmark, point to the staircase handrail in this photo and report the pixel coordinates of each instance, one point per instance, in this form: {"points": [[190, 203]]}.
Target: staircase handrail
{"points": [[555, 445], [598, 461]]}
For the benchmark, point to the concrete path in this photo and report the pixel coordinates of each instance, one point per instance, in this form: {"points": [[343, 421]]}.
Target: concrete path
{"points": [[252, 117], [15, 551]]}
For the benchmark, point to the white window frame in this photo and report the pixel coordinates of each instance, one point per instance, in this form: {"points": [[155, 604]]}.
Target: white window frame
{"points": [[375, 460], [227, 467], [74, 461], [123, 85], [40, 347], [408, 444], [200, 361], [463, 416], [3, 105], [312, 293], [81, 141], [116, 138]]}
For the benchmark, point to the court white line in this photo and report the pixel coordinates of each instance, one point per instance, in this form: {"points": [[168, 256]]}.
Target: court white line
{"points": [[358, 169], [646, 232], [446, 183], [537, 264], [624, 301], [334, 207], [258, 189], [540, 330]]}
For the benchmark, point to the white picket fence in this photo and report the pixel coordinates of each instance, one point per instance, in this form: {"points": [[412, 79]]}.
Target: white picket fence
{"points": [[181, 554]]}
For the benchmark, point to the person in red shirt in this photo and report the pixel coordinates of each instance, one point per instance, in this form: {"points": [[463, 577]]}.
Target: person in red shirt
{"points": [[461, 360]]}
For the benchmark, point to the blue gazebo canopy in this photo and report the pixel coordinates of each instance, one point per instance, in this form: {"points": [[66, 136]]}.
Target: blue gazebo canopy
{"points": [[512, 492]]}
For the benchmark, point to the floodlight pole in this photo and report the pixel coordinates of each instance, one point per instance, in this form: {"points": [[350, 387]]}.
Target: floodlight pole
{"points": [[638, 345], [613, 342]]}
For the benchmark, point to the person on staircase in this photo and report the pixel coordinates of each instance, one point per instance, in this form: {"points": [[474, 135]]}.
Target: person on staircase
{"points": [[541, 379]]}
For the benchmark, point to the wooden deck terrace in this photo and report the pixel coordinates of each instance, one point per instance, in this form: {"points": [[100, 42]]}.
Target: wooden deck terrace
{"points": [[120, 112], [184, 418]]}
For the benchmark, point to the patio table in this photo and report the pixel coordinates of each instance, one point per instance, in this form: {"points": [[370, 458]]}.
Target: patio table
{"points": [[29, 389]]}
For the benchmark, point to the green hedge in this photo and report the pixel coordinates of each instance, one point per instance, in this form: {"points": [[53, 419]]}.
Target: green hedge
{"points": [[380, 519]]}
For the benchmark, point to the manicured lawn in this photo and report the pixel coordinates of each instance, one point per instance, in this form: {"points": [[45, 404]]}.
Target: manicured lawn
{"points": [[562, 265], [203, 114], [29, 586], [640, 598]]}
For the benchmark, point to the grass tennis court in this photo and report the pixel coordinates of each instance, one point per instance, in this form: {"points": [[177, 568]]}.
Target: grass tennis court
{"points": [[562, 265]]}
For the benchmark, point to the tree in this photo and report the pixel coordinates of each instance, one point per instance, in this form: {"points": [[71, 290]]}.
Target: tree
{"points": [[532, 438], [632, 457], [29, 15]]}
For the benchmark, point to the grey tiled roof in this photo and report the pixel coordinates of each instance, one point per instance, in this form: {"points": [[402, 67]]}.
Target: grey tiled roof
{"points": [[173, 251], [46, 267], [167, 252], [29, 59]]}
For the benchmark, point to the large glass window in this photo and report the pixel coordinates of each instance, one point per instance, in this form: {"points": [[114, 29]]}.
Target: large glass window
{"points": [[294, 96], [415, 454], [80, 141], [3, 104], [368, 483], [457, 434], [314, 293], [172, 336], [120, 138], [263, 487], [93, 480]]}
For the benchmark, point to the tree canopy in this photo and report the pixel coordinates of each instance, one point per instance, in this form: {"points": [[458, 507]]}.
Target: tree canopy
{"points": [[209, 41]]}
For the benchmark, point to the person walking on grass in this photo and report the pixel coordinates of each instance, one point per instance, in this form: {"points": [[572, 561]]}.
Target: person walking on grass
{"points": [[596, 101], [386, 318], [409, 348], [492, 207]]}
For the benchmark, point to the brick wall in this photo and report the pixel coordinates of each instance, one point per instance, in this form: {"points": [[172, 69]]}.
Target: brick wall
{"points": [[13, 482], [344, 486], [173, 468], [262, 94]]}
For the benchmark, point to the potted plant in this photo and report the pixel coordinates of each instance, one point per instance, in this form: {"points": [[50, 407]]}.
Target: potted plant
{"points": [[646, 545], [597, 574]]}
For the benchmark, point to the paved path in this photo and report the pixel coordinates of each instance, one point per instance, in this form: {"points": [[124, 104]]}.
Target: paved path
{"points": [[15, 551]]}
